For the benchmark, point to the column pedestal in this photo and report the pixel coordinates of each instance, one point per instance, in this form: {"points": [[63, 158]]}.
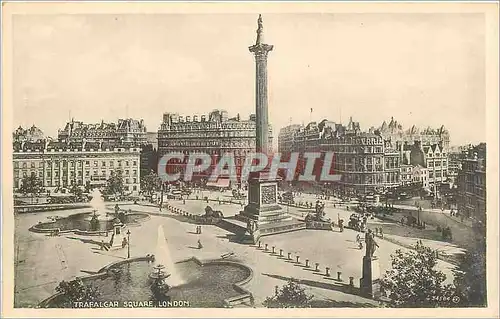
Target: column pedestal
{"points": [[370, 282], [264, 212]]}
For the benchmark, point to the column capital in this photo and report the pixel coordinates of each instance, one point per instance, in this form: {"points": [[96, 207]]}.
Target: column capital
{"points": [[260, 49]]}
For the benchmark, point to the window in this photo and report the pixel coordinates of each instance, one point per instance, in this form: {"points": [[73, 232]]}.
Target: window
{"points": [[135, 163], [32, 164], [40, 164], [135, 172], [135, 188], [135, 180], [87, 162], [25, 165], [87, 173], [126, 163], [111, 164], [95, 163], [103, 164], [16, 164]]}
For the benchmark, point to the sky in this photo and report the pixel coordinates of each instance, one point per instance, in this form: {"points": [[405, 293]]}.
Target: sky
{"points": [[421, 69]]}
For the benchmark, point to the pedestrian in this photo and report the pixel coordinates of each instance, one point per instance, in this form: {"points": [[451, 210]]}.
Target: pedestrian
{"points": [[358, 238], [381, 233], [360, 245], [199, 227], [102, 244], [200, 246]]}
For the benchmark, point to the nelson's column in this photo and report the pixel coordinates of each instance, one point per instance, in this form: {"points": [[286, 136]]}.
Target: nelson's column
{"points": [[263, 215]]}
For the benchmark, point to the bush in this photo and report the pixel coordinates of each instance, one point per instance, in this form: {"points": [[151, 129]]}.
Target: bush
{"points": [[76, 291], [291, 295]]}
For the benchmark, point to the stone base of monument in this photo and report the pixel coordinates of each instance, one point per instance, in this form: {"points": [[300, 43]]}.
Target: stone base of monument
{"points": [[270, 223], [370, 282], [319, 225]]}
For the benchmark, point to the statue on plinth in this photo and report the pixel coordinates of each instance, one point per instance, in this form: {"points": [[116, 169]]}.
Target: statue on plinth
{"points": [[319, 214], [252, 226], [371, 244]]}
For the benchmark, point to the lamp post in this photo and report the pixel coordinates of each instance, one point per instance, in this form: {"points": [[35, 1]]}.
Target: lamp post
{"points": [[128, 243]]}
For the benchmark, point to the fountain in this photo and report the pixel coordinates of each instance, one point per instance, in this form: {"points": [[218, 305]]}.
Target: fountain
{"points": [[98, 205], [100, 220], [163, 259]]}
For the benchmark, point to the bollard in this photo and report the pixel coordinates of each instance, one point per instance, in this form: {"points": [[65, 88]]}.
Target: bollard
{"points": [[259, 243], [307, 263], [298, 259], [339, 275], [273, 249], [281, 252], [351, 281], [317, 266], [266, 248], [289, 256], [327, 271]]}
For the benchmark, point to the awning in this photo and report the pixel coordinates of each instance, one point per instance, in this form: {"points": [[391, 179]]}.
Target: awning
{"points": [[219, 183]]}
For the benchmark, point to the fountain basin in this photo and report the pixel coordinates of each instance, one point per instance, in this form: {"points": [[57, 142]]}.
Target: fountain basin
{"points": [[80, 223], [206, 284]]}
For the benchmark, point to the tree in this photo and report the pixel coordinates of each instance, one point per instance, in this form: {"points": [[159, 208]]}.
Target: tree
{"points": [[77, 291], [115, 183], [291, 295], [31, 185], [76, 191], [413, 280], [150, 183], [88, 187], [470, 277]]}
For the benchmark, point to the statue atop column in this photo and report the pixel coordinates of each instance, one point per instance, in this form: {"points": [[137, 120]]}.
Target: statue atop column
{"points": [[260, 29]]}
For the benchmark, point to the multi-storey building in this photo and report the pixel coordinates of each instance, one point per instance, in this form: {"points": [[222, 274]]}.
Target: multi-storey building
{"points": [[428, 136], [31, 134], [125, 131], [455, 157], [60, 165], [286, 137], [429, 148], [215, 134], [366, 161], [472, 184]]}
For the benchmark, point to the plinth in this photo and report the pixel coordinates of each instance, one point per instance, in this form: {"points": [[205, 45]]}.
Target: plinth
{"points": [[117, 237], [263, 210], [370, 282]]}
